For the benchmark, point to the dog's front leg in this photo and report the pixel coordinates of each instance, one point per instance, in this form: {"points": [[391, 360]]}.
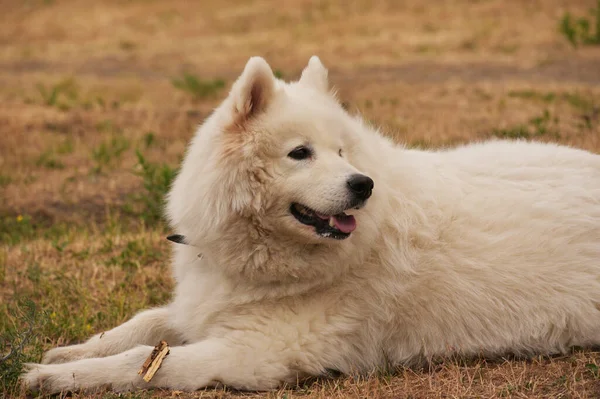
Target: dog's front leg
{"points": [[258, 365], [146, 328]]}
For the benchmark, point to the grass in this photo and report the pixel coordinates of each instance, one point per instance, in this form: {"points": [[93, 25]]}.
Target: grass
{"points": [[23, 227], [582, 31], [47, 159], [197, 87], [531, 94], [574, 99], [18, 340], [539, 126], [5, 180], [109, 152], [157, 179], [61, 306], [60, 95], [82, 252]]}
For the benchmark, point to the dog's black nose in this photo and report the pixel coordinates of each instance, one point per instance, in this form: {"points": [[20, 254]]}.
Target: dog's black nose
{"points": [[361, 186]]}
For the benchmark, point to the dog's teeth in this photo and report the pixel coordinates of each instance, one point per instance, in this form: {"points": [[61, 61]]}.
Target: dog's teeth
{"points": [[331, 222]]}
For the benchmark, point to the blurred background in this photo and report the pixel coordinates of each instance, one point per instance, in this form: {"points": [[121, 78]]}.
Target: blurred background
{"points": [[83, 84], [98, 100]]}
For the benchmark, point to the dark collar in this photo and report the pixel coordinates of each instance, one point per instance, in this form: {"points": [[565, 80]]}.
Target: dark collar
{"points": [[177, 238]]}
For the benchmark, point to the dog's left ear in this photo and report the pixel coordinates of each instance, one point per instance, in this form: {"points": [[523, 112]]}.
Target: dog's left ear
{"points": [[315, 75], [253, 90]]}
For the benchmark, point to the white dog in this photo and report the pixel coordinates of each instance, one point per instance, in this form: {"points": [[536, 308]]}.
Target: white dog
{"points": [[326, 246]]}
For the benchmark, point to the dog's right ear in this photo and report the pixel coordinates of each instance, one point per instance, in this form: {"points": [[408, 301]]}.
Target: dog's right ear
{"points": [[253, 90], [315, 75]]}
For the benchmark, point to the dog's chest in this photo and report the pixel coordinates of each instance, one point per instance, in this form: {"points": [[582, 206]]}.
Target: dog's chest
{"points": [[198, 297]]}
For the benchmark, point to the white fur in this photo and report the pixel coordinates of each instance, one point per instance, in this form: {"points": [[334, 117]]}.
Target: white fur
{"points": [[486, 249]]}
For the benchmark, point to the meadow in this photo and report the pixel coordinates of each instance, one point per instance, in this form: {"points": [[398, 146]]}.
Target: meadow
{"points": [[99, 99]]}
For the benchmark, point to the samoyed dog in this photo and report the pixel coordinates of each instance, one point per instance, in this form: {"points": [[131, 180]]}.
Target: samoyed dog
{"points": [[309, 242]]}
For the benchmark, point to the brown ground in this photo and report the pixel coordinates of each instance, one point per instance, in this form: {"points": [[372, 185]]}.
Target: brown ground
{"points": [[431, 74]]}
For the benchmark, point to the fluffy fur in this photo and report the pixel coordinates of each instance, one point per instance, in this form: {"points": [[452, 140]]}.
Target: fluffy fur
{"points": [[490, 248]]}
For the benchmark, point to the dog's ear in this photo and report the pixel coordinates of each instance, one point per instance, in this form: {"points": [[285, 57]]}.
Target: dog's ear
{"points": [[253, 90], [315, 75]]}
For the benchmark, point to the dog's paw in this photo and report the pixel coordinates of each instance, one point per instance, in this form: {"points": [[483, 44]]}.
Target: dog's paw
{"points": [[66, 354], [47, 379]]}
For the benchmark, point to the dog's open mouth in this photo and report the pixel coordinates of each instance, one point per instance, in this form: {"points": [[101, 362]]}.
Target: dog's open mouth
{"points": [[338, 226]]}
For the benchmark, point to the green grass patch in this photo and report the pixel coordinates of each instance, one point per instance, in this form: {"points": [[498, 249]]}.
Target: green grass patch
{"points": [[48, 160], [58, 300], [108, 126], [574, 99], [593, 369], [533, 95], [149, 139], [198, 88], [19, 323], [134, 256], [65, 147], [18, 228], [62, 94], [579, 101], [540, 126], [109, 152], [515, 132], [5, 180], [157, 179], [582, 30], [127, 45]]}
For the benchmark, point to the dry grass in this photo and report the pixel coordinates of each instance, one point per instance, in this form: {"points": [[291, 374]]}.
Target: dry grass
{"points": [[83, 85]]}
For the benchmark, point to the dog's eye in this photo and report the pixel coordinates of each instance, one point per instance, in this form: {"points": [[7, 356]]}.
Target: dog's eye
{"points": [[300, 153], [340, 152]]}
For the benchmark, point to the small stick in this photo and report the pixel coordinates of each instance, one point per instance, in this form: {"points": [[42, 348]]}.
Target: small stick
{"points": [[154, 361]]}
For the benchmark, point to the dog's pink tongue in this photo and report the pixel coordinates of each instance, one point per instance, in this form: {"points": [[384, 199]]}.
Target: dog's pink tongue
{"points": [[344, 223]]}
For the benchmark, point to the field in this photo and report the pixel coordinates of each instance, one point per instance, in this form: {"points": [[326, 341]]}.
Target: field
{"points": [[98, 100]]}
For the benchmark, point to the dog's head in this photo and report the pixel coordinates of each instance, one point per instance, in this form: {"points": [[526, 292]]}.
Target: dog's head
{"points": [[277, 167]]}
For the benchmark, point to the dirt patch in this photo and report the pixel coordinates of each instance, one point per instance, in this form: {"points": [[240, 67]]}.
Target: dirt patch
{"points": [[570, 70], [583, 70]]}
